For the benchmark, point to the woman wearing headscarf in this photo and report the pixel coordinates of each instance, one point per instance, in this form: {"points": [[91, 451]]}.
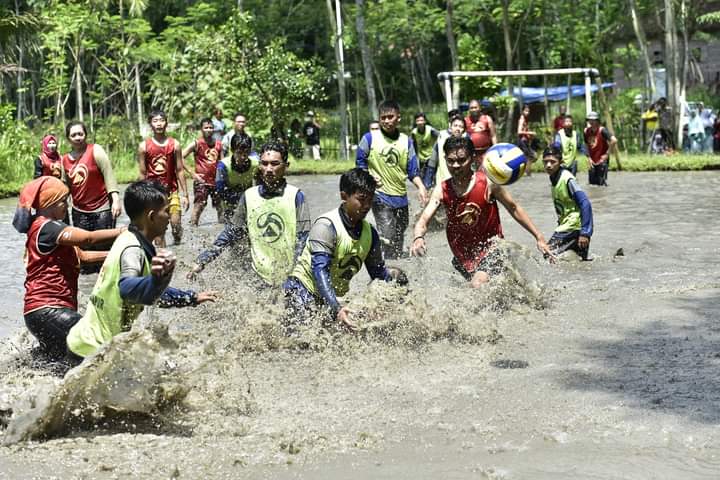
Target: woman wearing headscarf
{"points": [[52, 261], [49, 163]]}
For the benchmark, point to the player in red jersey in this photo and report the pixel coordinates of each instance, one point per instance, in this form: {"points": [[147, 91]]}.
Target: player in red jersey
{"points": [[160, 158], [208, 153], [52, 261], [473, 217], [480, 127]]}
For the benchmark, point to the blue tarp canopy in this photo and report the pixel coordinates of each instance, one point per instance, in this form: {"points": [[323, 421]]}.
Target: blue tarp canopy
{"points": [[555, 94]]}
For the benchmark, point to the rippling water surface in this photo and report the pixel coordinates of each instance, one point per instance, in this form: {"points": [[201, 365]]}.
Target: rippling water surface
{"points": [[602, 369]]}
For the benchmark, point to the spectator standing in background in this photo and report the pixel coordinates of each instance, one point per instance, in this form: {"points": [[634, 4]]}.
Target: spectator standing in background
{"points": [[559, 122], [218, 125], [311, 130]]}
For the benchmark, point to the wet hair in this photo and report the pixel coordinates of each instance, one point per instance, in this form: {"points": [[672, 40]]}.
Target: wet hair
{"points": [[203, 121], [143, 196], [72, 124], [239, 114], [526, 105], [389, 106], [567, 115], [420, 115], [553, 150], [240, 141], [458, 143], [457, 117], [275, 146], [156, 113], [357, 180], [476, 101], [453, 113]]}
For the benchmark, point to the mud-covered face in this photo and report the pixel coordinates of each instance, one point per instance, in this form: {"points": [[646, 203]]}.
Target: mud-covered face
{"points": [[240, 122], [459, 162], [357, 205], [272, 168]]}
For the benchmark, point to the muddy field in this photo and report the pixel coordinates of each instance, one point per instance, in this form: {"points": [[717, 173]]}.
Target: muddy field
{"points": [[604, 369]]}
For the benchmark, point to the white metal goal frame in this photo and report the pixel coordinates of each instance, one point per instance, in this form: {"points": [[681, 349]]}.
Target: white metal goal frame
{"points": [[446, 78]]}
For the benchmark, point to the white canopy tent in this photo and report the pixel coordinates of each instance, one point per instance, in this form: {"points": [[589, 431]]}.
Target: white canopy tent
{"points": [[447, 77]]}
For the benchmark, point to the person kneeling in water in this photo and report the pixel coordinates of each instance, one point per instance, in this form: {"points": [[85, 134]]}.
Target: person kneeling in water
{"points": [[574, 211], [134, 274], [53, 257], [340, 241], [272, 217], [470, 200]]}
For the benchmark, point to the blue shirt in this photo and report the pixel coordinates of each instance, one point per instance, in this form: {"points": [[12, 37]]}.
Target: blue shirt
{"points": [[413, 170]]}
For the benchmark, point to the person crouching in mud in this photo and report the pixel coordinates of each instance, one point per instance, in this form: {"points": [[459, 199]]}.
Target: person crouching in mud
{"points": [[572, 205], [340, 241], [134, 274], [470, 200]]}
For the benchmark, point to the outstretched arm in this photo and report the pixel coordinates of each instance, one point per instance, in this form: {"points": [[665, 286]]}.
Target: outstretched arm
{"points": [[520, 216]]}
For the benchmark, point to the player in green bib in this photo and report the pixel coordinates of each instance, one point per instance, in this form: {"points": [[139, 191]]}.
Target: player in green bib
{"points": [[437, 170], [340, 242], [133, 275], [271, 222], [572, 205], [572, 143], [423, 136], [390, 158], [235, 173]]}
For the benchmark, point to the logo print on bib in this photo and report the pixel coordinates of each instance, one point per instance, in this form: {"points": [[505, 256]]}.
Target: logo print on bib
{"points": [[391, 155], [349, 266], [79, 175], [271, 225], [212, 155]]}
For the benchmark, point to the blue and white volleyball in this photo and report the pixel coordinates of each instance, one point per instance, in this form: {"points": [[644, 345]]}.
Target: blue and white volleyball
{"points": [[504, 163]]}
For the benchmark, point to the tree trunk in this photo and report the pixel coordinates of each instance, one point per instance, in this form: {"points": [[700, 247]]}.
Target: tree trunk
{"points": [[379, 80], [508, 66], [453, 50], [138, 98], [78, 86], [425, 78], [366, 57], [642, 43], [337, 43], [682, 81], [672, 69], [20, 95]]}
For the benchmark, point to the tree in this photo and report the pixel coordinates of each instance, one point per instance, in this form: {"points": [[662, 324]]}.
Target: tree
{"points": [[339, 54], [366, 57]]}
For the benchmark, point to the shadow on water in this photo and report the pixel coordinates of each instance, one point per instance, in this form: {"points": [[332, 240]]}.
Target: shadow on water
{"points": [[668, 365]]}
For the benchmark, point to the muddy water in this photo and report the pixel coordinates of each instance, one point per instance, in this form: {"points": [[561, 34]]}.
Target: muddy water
{"points": [[602, 369]]}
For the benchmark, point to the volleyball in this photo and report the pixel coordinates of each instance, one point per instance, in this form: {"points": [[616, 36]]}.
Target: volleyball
{"points": [[504, 163]]}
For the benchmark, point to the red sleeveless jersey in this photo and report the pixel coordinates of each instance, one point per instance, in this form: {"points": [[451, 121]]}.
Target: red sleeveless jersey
{"points": [[87, 184], [479, 132], [597, 145], [206, 158], [472, 221], [52, 278], [160, 163], [48, 165]]}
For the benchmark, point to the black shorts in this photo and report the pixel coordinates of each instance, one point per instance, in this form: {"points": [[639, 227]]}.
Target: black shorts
{"points": [[51, 326], [492, 264], [563, 241], [201, 192]]}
